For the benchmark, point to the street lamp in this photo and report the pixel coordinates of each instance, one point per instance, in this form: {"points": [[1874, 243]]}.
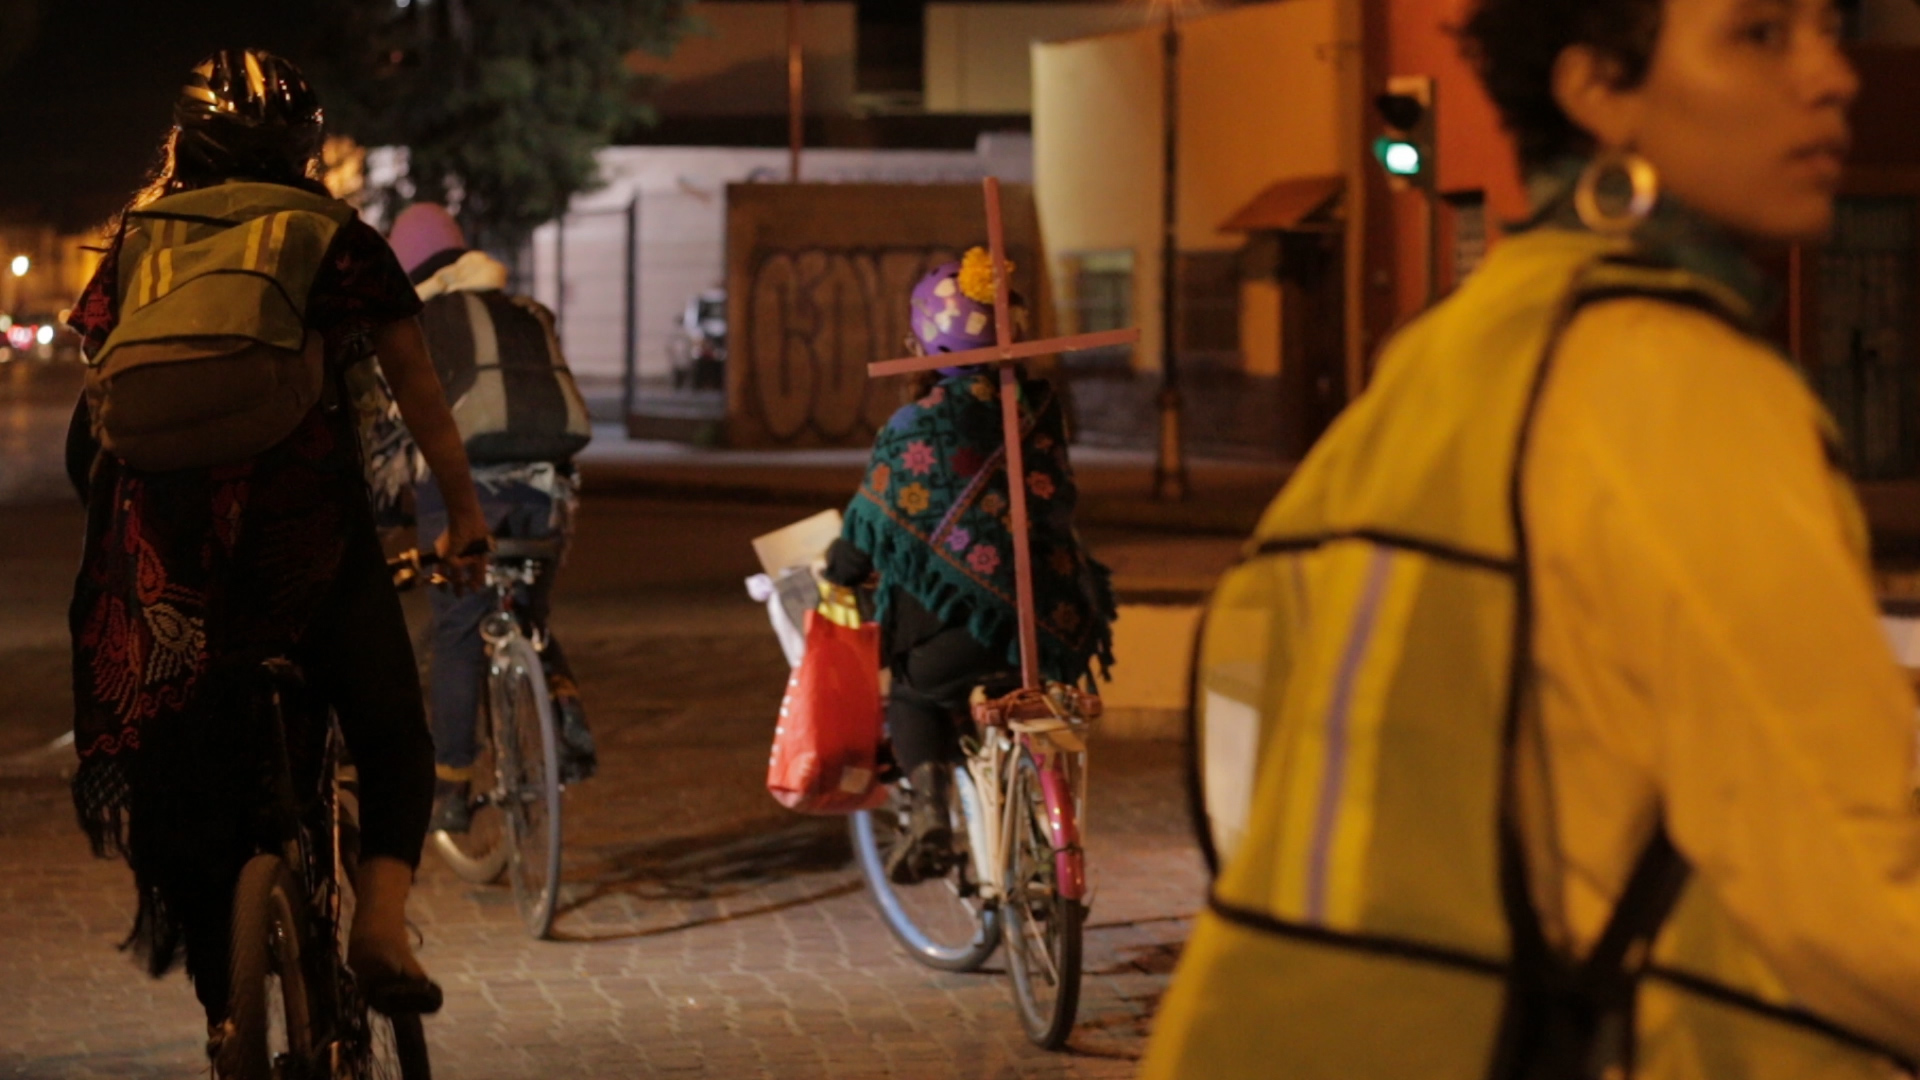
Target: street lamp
{"points": [[1170, 463], [21, 264]]}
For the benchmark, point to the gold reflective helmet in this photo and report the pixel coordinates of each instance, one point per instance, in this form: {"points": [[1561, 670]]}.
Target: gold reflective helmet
{"points": [[245, 113]]}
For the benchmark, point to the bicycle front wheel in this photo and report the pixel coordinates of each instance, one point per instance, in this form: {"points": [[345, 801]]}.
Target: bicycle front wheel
{"points": [[1041, 926], [479, 855], [943, 922], [269, 1020], [525, 743]]}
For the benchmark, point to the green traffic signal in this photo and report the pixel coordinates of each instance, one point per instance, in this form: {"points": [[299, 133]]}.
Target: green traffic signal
{"points": [[1400, 157]]}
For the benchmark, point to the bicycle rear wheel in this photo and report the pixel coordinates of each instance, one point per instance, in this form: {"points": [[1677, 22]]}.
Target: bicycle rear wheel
{"points": [[390, 1049], [526, 742], [943, 922], [1041, 926], [269, 1016]]}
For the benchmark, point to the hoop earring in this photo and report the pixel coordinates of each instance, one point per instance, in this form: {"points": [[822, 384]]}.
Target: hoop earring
{"points": [[1641, 177]]}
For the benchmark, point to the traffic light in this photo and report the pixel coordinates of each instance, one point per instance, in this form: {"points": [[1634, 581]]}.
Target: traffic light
{"points": [[1406, 148]]}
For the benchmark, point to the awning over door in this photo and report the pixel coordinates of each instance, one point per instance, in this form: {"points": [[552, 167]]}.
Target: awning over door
{"points": [[1304, 203]]}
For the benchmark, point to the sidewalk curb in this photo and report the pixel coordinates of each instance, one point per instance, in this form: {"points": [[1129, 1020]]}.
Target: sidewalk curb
{"points": [[1226, 513]]}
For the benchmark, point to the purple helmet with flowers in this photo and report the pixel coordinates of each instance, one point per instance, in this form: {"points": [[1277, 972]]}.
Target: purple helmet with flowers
{"points": [[952, 307]]}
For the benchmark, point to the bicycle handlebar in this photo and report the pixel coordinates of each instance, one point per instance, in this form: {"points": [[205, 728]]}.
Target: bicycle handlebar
{"points": [[408, 567]]}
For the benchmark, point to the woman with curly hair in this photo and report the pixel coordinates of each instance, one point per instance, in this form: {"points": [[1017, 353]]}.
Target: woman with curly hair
{"points": [[932, 519], [1581, 750]]}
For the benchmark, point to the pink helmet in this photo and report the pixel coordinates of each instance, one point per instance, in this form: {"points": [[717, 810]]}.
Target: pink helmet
{"points": [[422, 231]]}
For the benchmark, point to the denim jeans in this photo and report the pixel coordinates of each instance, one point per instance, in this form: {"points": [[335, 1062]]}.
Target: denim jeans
{"points": [[519, 511]]}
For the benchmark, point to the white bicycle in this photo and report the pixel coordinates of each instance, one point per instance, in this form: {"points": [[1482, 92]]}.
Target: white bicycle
{"points": [[516, 821]]}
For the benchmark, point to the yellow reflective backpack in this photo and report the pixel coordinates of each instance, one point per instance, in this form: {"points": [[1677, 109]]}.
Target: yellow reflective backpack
{"points": [[211, 361]]}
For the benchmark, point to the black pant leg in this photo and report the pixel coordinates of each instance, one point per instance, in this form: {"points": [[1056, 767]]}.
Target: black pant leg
{"points": [[358, 655], [930, 690]]}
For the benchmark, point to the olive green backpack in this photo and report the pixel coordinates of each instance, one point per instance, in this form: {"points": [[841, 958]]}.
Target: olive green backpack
{"points": [[211, 361]]}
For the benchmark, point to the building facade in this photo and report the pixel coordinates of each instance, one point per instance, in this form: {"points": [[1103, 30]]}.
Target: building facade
{"points": [[1284, 218]]}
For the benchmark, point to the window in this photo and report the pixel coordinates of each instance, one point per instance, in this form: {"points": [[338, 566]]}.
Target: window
{"points": [[1864, 366], [1102, 297]]}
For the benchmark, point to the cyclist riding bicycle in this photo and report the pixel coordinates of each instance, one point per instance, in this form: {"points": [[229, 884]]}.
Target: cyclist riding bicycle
{"points": [[228, 524], [507, 383], [932, 517]]}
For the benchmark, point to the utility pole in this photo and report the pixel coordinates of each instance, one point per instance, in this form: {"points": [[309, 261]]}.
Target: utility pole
{"points": [[796, 92], [1170, 465]]}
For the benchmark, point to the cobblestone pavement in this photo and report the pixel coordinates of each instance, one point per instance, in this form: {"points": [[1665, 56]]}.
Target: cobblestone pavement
{"points": [[706, 931]]}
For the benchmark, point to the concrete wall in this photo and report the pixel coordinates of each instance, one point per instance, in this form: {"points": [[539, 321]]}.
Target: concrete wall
{"points": [[682, 233], [977, 54], [736, 62], [1259, 102]]}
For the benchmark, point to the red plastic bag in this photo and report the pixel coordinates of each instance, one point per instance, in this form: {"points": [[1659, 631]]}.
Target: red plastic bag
{"points": [[827, 742]]}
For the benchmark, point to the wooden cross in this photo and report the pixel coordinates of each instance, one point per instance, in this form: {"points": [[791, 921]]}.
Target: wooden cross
{"points": [[1005, 353]]}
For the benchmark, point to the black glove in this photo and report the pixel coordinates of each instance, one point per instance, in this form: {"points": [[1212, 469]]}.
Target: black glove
{"points": [[847, 566]]}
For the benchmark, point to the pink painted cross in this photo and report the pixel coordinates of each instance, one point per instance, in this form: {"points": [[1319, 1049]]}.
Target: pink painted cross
{"points": [[1005, 353]]}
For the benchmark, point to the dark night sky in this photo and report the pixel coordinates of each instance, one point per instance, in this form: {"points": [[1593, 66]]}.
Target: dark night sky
{"points": [[83, 110]]}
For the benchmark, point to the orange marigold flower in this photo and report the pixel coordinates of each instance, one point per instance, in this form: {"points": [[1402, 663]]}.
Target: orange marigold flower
{"points": [[976, 275]]}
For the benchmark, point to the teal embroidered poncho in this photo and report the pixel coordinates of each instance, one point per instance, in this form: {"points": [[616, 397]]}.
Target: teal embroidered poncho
{"points": [[933, 515]]}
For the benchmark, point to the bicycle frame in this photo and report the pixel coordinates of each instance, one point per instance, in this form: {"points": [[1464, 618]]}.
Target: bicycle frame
{"points": [[1057, 748], [319, 874]]}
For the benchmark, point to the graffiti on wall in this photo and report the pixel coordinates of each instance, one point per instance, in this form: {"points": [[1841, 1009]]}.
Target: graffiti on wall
{"points": [[815, 319]]}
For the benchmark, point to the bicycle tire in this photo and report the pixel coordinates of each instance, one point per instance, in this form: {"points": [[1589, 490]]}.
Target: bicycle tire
{"points": [[269, 932], [527, 742], [967, 933], [479, 855], [1039, 924]]}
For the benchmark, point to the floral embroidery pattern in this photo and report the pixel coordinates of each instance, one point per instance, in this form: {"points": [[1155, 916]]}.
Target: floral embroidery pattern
{"points": [[914, 498], [1066, 615], [983, 559], [982, 388], [959, 539], [880, 478], [933, 399], [919, 458], [1040, 485], [967, 461], [178, 642]]}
